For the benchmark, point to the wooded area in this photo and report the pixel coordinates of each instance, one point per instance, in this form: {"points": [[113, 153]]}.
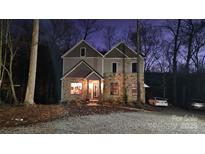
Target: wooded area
{"points": [[173, 48]]}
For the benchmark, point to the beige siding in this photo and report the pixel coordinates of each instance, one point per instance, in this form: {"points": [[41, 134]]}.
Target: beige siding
{"points": [[69, 63], [128, 64], [115, 53], [90, 51]]}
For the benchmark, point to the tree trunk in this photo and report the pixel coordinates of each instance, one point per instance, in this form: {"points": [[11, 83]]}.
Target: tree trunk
{"points": [[138, 64], [29, 98], [164, 85], [189, 53], [176, 49], [7, 41], [123, 78], [13, 89], [1, 61], [188, 59]]}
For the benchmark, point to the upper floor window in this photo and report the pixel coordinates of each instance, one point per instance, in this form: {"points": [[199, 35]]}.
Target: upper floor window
{"points": [[134, 67], [82, 51], [114, 67]]}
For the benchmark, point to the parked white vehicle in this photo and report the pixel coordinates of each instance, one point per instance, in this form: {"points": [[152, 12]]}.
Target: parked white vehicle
{"points": [[158, 101]]}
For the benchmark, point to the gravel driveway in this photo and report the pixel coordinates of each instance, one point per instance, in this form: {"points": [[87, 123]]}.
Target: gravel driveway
{"points": [[129, 122]]}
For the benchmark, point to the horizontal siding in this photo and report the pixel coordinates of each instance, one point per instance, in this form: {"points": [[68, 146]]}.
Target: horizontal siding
{"points": [[95, 62], [90, 51], [128, 63]]}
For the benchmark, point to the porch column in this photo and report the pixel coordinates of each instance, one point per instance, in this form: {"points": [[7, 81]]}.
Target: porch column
{"points": [[87, 97], [100, 86]]}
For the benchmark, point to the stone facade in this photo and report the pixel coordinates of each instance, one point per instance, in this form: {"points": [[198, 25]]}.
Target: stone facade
{"points": [[114, 87], [125, 87], [66, 89], [126, 84]]}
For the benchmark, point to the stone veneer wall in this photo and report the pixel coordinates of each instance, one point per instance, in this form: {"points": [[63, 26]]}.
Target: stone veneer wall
{"points": [[130, 79], [108, 79], [66, 88]]}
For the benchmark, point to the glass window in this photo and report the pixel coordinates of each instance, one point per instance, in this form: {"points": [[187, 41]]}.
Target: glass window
{"points": [[114, 89], [76, 88], [134, 89], [114, 67], [82, 52], [134, 67]]}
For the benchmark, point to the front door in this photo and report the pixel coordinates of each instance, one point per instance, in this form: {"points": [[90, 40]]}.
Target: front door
{"points": [[94, 89]]}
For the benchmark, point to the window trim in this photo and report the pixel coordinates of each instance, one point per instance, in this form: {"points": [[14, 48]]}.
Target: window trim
{"points": [[71, 88], [118, 90], [134, 86], [136, 67], [81, 51], [116, 67]]}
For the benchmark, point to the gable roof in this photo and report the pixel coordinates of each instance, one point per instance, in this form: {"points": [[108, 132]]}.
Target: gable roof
{"points": [[93, 75], [81, 70], [123, 49], [115, 53], [80, 44], [126, 50]]}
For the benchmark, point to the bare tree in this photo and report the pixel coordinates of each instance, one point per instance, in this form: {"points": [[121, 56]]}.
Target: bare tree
{"points": [[29, 98], [198, 46], [63, 33], [150, 42], [6, 61], [139, 99], [198, 57], [88, 27], [109, 36], [191, 32], [127, 36], [1, 52], [166, 51], [174, 28], [163, 62]]}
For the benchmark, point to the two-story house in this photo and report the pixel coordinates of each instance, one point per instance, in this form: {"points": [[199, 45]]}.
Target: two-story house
{"points": [[90, 75]]}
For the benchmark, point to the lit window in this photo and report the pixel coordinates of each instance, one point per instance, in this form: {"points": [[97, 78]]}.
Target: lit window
{"points": [[134, 89], [76, 88], [114, 67], [134, 67], [82, 51], [114, 89]]}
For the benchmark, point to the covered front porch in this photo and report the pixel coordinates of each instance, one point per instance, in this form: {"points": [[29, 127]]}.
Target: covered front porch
{"points": [[82, 83], [94, 87]]}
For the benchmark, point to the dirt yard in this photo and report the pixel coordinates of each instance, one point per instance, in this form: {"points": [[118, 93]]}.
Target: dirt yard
{"points": [[12, 116], [99, 119], [116, 123]]}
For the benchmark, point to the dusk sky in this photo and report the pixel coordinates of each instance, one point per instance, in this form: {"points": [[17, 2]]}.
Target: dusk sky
{"points": [[121, 25]]}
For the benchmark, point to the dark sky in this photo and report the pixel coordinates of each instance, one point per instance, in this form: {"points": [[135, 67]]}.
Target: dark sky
{"points": [[121, 25]]}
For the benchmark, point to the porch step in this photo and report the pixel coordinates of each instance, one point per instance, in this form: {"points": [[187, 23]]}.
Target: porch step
{"points": [[92, 103], [93, 100]]}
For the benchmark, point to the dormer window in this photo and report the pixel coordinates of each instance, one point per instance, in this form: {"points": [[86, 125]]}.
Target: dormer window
{"points": [[82, 51]]}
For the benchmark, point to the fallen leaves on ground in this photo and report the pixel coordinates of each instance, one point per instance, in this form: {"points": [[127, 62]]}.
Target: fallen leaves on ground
{"points": [[23, 115], [80, 110], [11, 116]]}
